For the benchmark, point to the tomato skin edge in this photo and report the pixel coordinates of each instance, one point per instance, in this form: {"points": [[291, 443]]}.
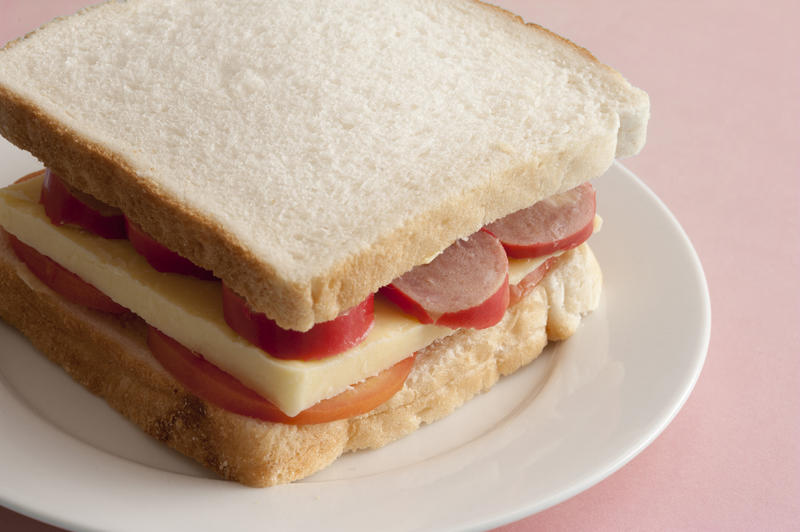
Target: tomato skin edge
{"points": [[62, 281], [160, 257], [212, 384], [63, 207]]}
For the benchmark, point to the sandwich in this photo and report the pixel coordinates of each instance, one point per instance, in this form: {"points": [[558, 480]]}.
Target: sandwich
{"points": [[271, 233]]}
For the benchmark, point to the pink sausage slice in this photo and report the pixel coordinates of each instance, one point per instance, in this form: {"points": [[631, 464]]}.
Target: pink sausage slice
{"points": [[559, 222], [465, 286]]}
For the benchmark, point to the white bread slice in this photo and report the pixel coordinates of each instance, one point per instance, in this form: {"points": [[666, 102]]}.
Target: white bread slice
{"points": [[309, 151], [108, 355]]}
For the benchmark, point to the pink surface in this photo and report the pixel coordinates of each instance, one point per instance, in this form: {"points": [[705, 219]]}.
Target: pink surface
{"points": [[723, 154]]}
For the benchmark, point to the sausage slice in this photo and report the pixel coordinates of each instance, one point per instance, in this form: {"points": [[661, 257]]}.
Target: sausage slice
{"points": [[559, 222], [465, 286]]}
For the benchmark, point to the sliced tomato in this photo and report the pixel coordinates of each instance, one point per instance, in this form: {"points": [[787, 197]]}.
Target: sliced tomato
{"points": [[322, 340], [465, 286], [559, 222], [162, 258], [218, 387], [62, 281], [65, 205]]}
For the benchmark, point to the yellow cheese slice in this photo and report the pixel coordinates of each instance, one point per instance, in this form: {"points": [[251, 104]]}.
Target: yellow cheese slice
{"points": [[190, 310]]}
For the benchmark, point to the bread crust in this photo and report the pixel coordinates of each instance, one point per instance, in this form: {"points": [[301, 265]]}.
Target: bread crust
{"points": [[106, 175], [108, 355]]}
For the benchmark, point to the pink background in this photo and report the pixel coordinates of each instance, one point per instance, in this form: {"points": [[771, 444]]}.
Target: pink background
{"points": [[724, 154]]}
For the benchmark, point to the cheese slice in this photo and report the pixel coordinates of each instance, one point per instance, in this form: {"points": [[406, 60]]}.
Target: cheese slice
{"points": [[190, 310]]}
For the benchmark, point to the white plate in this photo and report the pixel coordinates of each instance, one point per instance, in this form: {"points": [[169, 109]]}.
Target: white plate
{"points": [[553, 429]]}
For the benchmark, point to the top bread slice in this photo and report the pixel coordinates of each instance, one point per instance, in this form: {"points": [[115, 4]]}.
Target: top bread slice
{"points": [[310, 151]]}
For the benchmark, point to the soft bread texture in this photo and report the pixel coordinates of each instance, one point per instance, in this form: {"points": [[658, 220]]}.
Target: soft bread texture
{"points": [[308, 152], [109, 356]]}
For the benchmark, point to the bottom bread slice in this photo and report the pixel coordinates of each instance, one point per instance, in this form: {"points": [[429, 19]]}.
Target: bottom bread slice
{"points": [[109, 356]]}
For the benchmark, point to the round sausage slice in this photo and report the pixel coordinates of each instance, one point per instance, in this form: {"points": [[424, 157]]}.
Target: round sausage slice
{"points": [[559, 222], [465, 286], [324, 339]]}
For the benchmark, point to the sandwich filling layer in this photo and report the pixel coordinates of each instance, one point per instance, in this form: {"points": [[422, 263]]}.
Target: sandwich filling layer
{"points": [[190, 310]]}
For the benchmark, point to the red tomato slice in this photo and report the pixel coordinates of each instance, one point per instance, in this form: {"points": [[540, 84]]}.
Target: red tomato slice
{"points": [[162, 258], [64, 205], [62, 281], [559, 222], [217, 387], [322, 340]]}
